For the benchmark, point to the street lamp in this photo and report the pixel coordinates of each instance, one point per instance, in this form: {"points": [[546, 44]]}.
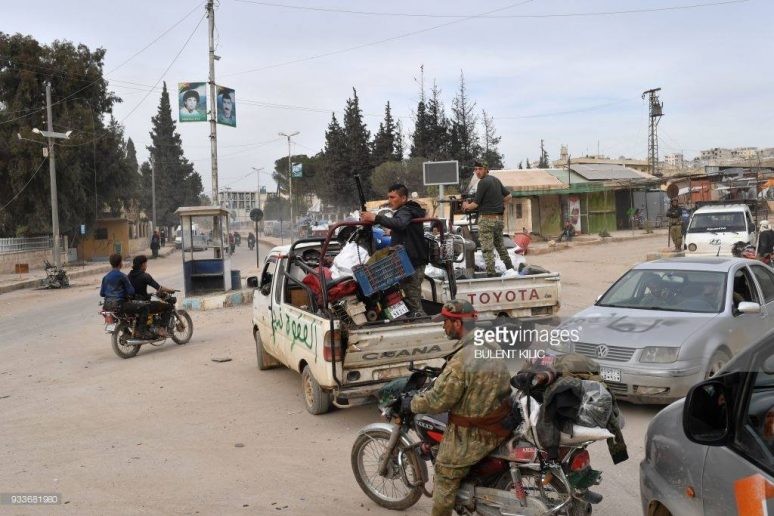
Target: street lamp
{"points": [[258, 186], [290, 177]]}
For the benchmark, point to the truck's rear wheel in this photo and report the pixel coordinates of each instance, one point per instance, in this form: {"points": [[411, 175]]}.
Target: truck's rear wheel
{"points": [[317, 401]]}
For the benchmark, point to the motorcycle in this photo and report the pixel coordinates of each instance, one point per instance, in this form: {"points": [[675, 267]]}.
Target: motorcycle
{"points": [[122, 328], [56, 277], [515, 479]]}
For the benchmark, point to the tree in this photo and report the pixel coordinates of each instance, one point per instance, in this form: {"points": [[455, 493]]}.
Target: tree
{"points": [[333, 182], [528, 165], [95, 153], [131, 156], [356, 138], [543, 162], [302, 186], [399, 147], [463, 139], [408, 172], [177, 184], [386, 144], [490, 155], [421, 139], [521, 167], [276, 208], [438, 126]]}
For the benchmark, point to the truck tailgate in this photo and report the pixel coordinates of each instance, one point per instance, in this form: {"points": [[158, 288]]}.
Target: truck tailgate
{"points": [[504, 294], [396, 343]]}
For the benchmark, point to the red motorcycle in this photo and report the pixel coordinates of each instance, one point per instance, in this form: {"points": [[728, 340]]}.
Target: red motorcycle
{"points": [[516, 479]]}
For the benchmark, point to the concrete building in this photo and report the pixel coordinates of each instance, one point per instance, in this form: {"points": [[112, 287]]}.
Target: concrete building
{"points": [[675, 160]]}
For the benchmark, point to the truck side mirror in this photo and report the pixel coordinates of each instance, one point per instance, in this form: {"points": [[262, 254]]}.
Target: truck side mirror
{"points": [[707, 413], [252, 282]]}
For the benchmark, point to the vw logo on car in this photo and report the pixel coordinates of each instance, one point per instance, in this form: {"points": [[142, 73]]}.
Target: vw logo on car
{"points": [[602, 351]]}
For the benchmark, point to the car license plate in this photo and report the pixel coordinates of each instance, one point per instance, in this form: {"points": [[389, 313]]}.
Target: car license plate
{"points": [[610, 375], [110, 328], [398, 309]]}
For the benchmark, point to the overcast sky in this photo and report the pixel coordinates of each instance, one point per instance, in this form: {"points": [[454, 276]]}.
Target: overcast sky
{"points": [[574, 80]]}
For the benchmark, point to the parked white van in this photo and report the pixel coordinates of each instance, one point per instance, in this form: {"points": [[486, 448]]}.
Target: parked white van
{"points": [[713, 230]]}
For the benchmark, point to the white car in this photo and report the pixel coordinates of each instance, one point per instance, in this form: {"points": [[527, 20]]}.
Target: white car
{"points": [[713, 230]]}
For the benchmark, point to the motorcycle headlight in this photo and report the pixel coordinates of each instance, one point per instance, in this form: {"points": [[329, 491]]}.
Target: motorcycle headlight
{"points": [[659, 355]]}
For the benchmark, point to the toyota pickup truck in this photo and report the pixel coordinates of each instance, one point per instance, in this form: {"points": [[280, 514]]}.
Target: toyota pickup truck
{"points": [[340, 364]]}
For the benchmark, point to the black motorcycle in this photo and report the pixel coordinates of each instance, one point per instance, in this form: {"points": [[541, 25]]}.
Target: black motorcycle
{"points": [[516, 479], [56, 277], [122, 328]]}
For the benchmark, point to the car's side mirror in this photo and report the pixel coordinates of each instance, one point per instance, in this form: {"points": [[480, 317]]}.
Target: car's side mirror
{"points": [[265, 284], [252, 282], [707, 413], [598, 298], [746, 307]]}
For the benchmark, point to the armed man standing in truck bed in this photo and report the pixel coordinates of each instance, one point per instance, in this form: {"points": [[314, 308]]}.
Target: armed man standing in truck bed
{"points": [[411, 236], [489, 201]]}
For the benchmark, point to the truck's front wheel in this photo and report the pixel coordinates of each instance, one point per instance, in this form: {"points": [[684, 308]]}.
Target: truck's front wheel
{"points": [[317, 401]]}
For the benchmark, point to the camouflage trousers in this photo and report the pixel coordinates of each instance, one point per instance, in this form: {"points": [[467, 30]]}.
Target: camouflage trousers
{"points": [[490, 235], [412, 288], [676, 234], [445, 486]]}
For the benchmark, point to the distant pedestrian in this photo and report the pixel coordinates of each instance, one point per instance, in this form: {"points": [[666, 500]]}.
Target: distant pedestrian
{"points": [[231, 242], [675, 219], [163, 235], [155, 243]]}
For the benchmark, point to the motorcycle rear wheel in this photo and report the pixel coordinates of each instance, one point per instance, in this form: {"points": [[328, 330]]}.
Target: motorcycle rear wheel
{"points": [[389, 491], [555, 492], [119, 340], [183, 327]]}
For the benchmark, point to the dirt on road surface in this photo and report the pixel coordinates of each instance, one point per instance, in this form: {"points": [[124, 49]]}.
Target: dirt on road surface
{"points": [[173, 432]]}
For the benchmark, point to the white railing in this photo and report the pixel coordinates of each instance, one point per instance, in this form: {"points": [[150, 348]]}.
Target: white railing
{"points": [[25, 244]]}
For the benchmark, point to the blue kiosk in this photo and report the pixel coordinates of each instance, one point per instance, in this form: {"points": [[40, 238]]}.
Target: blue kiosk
{"points": [[206, 261]]}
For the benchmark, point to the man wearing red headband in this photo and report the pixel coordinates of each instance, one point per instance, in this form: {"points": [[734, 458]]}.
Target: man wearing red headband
{"points": [[476, 392]]}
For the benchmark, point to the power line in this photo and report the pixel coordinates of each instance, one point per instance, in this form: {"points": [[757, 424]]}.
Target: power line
{"points": [[378, 42], [161, 77], [25, 185], [488, 16], [181, 20]]}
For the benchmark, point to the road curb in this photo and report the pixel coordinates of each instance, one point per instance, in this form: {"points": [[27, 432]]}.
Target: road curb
{"points": [[218, 301]]}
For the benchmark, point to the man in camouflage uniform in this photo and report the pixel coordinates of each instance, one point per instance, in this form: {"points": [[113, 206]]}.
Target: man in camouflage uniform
{"points": [[675, 219], [476, 392], [489, 201]]}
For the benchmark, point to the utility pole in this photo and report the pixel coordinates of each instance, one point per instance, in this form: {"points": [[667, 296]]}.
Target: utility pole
{"points": [[258, 186], [656, 111], [213, 124], [153, 195], [51, 135], [290, 177]]}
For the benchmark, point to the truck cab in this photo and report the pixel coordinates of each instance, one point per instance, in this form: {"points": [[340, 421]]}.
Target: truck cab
{"points": [[714, 229]]}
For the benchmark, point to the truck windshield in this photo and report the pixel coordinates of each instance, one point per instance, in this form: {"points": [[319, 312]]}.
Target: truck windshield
{"points": [[673, 291], [717, 222]]}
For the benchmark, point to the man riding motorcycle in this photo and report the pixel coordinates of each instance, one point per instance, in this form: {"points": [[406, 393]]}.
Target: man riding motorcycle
{"points": [[476, 391], [118, 292], [140, 280]]}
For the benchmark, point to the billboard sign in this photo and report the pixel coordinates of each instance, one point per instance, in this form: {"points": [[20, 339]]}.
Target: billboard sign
{"points": [[226, 100], [441, 173]]}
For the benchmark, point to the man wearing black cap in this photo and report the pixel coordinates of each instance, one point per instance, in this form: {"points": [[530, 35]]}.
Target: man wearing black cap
{"points": [[490, 200], [140, 280]]}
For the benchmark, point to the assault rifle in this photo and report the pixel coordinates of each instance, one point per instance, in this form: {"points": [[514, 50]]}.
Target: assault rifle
{"points": [[367, 230]]}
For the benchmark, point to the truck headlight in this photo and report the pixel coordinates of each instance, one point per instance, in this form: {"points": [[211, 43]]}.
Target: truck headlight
{"points": [[659, 355]]}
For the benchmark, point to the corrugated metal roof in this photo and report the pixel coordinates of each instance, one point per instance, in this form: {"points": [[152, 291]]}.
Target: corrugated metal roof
{"points": [[608, 172], [526, 180]]}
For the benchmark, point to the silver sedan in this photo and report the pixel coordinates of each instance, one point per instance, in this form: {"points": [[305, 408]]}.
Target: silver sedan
{"points": [[667, 324]]}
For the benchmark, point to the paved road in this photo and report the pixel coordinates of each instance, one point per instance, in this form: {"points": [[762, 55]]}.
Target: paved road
{"points": [[171, 431]]}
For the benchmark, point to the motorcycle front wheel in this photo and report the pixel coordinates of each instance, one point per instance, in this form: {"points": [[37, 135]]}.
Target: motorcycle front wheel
{"points": [[389, 491], [182, 330], [119, 340]]}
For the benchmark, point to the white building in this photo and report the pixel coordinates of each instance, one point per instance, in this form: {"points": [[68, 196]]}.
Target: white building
{"points": [[675, 160]]}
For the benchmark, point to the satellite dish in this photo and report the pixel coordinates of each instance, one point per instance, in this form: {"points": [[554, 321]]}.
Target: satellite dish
{"points": [[672, 190]]}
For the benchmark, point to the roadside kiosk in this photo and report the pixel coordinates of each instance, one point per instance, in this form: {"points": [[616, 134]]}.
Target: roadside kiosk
{"points": [[206, 262]]}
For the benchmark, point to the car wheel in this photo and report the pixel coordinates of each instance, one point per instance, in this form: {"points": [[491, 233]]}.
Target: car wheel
{"points": [[717, 361], [317, 401]]}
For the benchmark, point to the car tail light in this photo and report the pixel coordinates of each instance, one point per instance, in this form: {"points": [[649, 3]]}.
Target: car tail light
{"points": [[335, 352], [580, 460]]}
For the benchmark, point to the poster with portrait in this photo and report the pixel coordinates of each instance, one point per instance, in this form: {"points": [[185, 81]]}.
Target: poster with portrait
{"points": [[573, 212], [226, 100], [192, 98]]}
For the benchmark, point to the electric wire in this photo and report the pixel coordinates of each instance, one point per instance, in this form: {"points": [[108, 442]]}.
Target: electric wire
{"points": [[25, 185], [377, 42], [487, 16]]}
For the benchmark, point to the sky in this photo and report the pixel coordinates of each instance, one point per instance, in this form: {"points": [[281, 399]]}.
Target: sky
{"points": [[560, 71]]}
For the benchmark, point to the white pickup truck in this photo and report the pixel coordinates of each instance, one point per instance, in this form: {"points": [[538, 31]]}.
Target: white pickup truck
{"points": [[340, 364]]}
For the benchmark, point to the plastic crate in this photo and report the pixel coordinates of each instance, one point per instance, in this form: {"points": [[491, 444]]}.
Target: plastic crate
{"points": [[383, 274]]}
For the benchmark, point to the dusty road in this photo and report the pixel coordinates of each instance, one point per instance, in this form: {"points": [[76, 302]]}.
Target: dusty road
{"points": [[172, 432]]}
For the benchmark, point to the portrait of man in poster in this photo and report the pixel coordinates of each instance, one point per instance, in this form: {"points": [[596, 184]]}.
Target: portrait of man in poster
{"points": [[226, 106], [193, 102]]}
